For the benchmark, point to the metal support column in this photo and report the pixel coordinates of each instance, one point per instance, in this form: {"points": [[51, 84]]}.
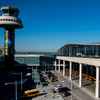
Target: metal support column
{"points": [[16, 90]]}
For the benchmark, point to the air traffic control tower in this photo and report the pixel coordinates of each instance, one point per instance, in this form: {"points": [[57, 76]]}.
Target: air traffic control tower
{"points": [[10, 21]]}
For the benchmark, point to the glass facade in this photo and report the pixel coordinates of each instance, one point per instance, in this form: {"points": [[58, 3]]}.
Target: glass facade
{"points": [[9, 11], [84, 49], [34, 60]]}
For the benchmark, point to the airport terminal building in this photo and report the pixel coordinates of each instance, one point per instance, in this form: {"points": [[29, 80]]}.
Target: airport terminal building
{"points": [[25, 60], [65, 61], [88, 49], [82, 60]]}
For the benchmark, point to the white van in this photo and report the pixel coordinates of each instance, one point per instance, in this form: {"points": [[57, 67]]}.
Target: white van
{"points": [[79, 54]]}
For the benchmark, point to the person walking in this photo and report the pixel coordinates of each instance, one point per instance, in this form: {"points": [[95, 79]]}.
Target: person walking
{"points": [[53, 95]]}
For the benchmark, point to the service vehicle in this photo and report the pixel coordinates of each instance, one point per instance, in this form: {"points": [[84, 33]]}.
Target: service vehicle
{"points": [[31, 93], [63, 91]]}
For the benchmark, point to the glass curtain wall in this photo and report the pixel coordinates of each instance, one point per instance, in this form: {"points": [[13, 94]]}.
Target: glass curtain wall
{"points": [[89, 50]]}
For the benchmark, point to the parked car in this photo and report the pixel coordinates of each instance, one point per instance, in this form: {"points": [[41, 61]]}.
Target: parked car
{"points": [[63, 91], [79, 54], [96, 55]]}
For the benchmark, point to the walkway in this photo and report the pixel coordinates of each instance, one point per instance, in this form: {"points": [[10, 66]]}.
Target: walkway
{"points": [[77, 93], [46, 92], [87, 86]]}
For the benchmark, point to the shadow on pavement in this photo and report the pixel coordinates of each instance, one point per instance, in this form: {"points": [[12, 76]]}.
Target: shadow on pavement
{"points": [[68, 94], [43, 80], [44, 84], [42, 94], [87, 84], [56, 96]]}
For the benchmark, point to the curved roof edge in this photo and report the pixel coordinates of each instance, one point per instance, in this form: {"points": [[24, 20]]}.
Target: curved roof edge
{"points": [[78, 44]]}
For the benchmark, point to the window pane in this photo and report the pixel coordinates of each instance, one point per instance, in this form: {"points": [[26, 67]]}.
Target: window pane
{"points": [[12, 11], [5, 10]]}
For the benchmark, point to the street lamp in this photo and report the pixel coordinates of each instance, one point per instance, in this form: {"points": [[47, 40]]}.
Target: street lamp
{"points": [[15, 88], [21, 79]]}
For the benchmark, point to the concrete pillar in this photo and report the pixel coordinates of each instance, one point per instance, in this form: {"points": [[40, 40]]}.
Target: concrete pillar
{"points": [[63, 67], [70, 73], [55, 65], [97, 83], [80, 77], [59, 66]]}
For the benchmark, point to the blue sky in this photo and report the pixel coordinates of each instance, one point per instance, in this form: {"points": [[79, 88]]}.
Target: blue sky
{"points": [[50, 24]]}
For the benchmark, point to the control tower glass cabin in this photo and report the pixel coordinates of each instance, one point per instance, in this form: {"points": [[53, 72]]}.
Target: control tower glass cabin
{"points": [[10, 21]]}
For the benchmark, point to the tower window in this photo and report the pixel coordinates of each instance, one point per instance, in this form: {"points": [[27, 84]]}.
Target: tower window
{"points": [[5, 10], [12, 11]]}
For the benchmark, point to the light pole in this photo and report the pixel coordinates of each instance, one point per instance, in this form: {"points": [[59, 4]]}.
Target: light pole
{"points": [[15, 88], [21, 79]]}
